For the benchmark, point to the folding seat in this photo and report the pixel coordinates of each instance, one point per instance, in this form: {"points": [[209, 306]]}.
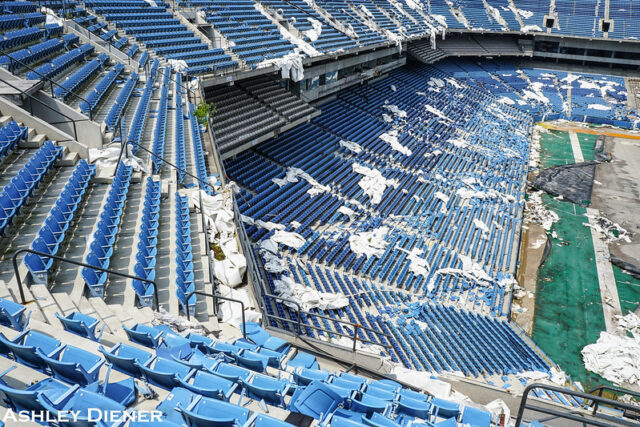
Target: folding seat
{"points": [[304, 376], [101, 250], [126, 358], [261, 337], [164, 372], [12, 314], [197, 360], [14, 196], [82, 404], [186, 303], [51, 240], [29, 346], [26, 399], [252, 360], [262, 420], [143, 334], [74, 365], [275, 359], [475, 417], [81, 324], [231, 372], [208, 385], [204, 412], [266, 390], [21, 187], [56, 222], [38, 266], [198, 341], [146, 255], [303, 360], [144, 291], [317, 400], [444, 408]]}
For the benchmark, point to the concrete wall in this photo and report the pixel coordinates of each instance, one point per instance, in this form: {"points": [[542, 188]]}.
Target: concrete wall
{"points": [[57, 114], [10, 109]]}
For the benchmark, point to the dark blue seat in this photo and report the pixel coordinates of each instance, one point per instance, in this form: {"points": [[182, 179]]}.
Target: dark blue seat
{"points": [[208, 385], [144, 334], [29, 345], [164, 372]]}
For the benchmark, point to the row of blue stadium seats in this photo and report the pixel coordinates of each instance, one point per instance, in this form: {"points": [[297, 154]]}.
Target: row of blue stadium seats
{"points": [[147, 244], [101, 247], [77, 79], [113, 116], [185, 283], [94, 97], [10, 135], [161, 123], [21, 187], [60, 63], [54, 230]]}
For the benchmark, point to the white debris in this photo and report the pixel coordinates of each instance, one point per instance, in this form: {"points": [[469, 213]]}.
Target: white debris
{"points": [[531, 29], [536, 212], [288, 238], [347, 211], [419, 265], [393, 88], [481, 225], [351, 146], [231, 312], [219, 216], [373, 183], [369, 243], [395, 110], [436, 112], [611, 231], [506, 100], [600, 107], [387, 118], [616, 358], [391, 138], [314, 33], [178, 65], [307, 297], [293, 174]]}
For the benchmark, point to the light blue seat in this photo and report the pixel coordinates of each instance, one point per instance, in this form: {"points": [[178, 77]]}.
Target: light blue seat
{"points": [[444, 408], [74, 365], [262, 420], [303, 376], [26, 399], [144, 334], [266, 389], [208, 385], [28, 346], [82, 402], [207, 412], [261, 337], [81, 324], [12, 314], [164, 372], [303, 360], [126, 358], [475, 417], [231, 372]]}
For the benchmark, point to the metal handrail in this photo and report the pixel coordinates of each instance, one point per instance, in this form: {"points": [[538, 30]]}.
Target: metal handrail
{"points": [[51, 82], [355, 326], [81, 264], [603, 387], [215, 300], [201, 181], [33, 98], [573, 415]]}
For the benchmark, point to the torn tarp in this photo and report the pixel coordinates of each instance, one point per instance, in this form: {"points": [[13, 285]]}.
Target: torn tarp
{"points": [[306, 296], [573, 182]]}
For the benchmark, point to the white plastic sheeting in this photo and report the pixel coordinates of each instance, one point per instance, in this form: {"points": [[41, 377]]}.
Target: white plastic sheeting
{"points": [[231, 312], [369, 243], [107, 158], [177, 65], [351, 146], [391, 138], [616, 357], [315, 32], [347, 211], [51, 17], [294, 174], [373, 183], [219, 215], [307, 297], [290, 66], [177, 323], [288, 238]]}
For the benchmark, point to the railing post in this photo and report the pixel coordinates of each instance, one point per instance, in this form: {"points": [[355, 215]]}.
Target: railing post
{"points": [[355, 336], [78, 263]]}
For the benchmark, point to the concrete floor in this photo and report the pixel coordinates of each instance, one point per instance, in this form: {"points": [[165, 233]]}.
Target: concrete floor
{"points": [[616, 194]]}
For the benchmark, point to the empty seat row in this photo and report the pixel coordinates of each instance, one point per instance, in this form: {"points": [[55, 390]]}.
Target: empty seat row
{"points": [[55, 227], [101, 246], [161, 123], [147, 244], [10, 135], [113, 116], [94, 97], [35, 53], [21, 187], [77, 79], [184, 256], [60, 63]]}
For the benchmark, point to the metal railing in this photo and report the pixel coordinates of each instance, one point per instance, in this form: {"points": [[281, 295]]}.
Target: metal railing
{"points": [[356, 327], [215, 302], [614, 390], [78, 263], [48, 79], [578, 416], [33, 98]]}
